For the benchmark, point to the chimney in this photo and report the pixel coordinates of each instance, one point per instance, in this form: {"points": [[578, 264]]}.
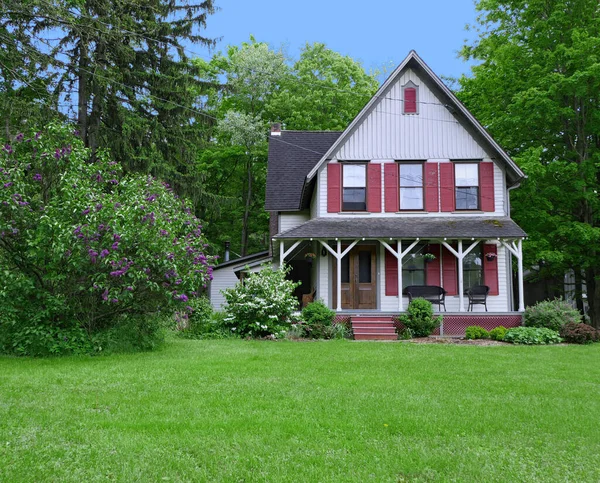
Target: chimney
{"points": [[276, 129], [227, 245]]}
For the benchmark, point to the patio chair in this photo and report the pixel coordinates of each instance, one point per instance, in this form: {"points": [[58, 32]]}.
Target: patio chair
{"points": [[477, 296]]}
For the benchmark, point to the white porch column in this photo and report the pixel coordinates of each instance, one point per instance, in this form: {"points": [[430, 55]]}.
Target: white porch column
{"points": [[399, 260], [520, 276], [338, 266], [461, 281], [283, 253]]}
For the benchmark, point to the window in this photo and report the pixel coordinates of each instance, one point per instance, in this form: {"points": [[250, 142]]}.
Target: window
{"points": [[413, 267], [355, 187], [411, 186], [467, 186], [410, 94], [473, 268]]}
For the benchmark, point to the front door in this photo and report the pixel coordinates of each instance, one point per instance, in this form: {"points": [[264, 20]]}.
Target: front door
{"points": [[359, 279]]}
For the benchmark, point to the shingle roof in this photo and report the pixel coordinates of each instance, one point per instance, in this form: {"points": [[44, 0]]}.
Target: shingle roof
{"points": [[291, 156], [406, 227], [243, 260]]}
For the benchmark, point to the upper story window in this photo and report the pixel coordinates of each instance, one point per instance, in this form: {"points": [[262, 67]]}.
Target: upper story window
{"points": [[354, 187], [410, 94], [411, 186], [467, 186]]}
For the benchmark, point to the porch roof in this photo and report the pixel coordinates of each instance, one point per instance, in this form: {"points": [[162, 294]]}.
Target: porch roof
{"points": [[424, 227]]}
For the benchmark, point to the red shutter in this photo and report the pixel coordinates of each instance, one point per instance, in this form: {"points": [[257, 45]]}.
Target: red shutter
{"points": [[490, 269], [431, 187], [449, 272], [447, 186], [334, 188], [391, 187], [486, 187], [391, 274], [410, 100], [374, 188], [433, 268]]}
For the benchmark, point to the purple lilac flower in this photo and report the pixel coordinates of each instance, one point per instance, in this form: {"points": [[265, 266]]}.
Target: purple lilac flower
{"points": [[98, 206], [104, 253], [8, 148], [38, 135], [117, 205], [164, 232], [183, 297], [75, 132], [86, 211], [57, 154], [129, 289], [98, 177], [93, 254], [116, 237], [8, 185], [113, 181], [151, 198], [37, 177], [20, 137], [114, 301], [115, 246], [105, 295]]}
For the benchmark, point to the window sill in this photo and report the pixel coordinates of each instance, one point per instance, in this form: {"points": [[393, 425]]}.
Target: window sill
{"points": [[478, 212], [354, 213], [410, 212]]}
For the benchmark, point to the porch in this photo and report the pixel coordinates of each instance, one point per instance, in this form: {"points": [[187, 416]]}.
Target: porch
{"points": [[363, 264]]}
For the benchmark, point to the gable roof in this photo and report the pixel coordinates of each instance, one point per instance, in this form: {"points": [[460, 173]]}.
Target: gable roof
{"points": [[458, 110], [243, 261], [291, 156]]}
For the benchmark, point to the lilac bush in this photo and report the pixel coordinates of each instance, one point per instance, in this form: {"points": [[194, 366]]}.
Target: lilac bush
{"points": [[86, 249]]}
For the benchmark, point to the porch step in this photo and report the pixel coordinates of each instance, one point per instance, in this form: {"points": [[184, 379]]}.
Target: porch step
{"points": [[373, 328]]}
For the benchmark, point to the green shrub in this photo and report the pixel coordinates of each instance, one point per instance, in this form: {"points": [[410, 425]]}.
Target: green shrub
{"points": [[262, 305], [200, 322], [551, 314], [476, 332], [579, 333], [338, 331], [319, 319], [532, 336], [498, 333], [419, 318], [87, 251]]}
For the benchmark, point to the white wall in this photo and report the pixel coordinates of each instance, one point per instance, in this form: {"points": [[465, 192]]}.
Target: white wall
{"points": [[222, 279], [289, 220]]}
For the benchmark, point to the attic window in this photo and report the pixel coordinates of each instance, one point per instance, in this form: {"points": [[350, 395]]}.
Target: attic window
{"points": [[410, 97]]}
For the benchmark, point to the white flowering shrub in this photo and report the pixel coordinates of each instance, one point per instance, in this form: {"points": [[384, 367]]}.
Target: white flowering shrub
{"points": [[261, 305]]}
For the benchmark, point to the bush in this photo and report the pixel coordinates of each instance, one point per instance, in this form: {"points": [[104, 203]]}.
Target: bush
{"points": [[498, 333], [201, 322], [551, 314], [338, 331], [419, 318], [532, 336], [262, 305], [476, 332], [319, 319], [86, 250], [579, 333]]}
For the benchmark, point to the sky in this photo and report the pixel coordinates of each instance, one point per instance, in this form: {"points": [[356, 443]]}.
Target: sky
{"points": [[378, 33]]}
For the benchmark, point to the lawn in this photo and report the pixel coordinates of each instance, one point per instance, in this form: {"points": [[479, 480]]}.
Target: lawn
{"points": [[292, 412]]}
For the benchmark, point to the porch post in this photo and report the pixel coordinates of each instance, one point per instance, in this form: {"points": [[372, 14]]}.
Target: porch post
{"points": [[399, 260], [281, 253], [461, 283], [338, 267], [520, 275]]}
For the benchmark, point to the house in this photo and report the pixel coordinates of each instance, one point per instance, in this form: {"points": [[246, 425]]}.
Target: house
{"points": [[414, 192]]}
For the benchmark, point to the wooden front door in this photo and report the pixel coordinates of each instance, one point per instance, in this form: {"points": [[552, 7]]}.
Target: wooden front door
{"points": [[359, 279]]}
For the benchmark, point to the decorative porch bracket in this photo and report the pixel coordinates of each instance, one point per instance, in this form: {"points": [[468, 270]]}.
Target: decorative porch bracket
{"points": [[284, 253], [517, 250], [460, 255], [399, 254], [339, 254]]}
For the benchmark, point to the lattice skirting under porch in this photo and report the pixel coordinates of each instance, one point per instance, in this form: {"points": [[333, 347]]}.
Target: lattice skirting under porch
{"points": [[455, 325]]}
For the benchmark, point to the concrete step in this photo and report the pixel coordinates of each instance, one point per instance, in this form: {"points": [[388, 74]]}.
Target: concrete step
{"points": [[371, 318], [375, 330], [373, 324]]}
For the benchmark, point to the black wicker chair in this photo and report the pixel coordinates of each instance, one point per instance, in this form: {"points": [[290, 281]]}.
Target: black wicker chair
{"points": [[477, 296]]}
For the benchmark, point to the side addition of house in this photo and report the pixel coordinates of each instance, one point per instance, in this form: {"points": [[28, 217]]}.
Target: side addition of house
{"points": [[413, 194]]}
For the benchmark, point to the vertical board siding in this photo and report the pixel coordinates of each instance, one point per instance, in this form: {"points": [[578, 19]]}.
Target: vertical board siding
{"points": [[388, 133]]}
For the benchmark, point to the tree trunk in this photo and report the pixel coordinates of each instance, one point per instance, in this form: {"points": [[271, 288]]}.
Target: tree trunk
{"points": [[82, 91], [244, 250], [593, 296]]}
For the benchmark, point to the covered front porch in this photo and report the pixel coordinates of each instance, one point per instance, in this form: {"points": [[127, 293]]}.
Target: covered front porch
{"points": [[368, 274]]}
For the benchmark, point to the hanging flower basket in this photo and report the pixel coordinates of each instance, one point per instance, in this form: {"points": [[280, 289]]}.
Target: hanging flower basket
{"points": [[490, 257], [309, 257], [429, 257]]}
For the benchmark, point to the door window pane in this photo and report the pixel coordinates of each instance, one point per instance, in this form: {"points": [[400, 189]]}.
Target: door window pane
{"points": [[346, 269], [364, 267]]}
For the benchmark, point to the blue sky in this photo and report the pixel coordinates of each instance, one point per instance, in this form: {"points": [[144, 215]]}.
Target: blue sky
{"points": [[377, 33]]}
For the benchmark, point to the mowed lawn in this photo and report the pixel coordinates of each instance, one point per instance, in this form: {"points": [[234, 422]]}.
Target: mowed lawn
{"points": [[317, 411]]}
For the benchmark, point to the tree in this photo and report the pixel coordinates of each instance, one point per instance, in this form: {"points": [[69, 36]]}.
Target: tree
{"points": [[125, 66], [537, 90]]}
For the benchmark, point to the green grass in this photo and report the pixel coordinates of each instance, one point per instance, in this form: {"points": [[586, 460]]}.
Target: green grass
{"points": [[292, 412]]}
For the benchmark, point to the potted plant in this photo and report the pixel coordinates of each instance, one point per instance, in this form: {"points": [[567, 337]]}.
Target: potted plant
{"points": [[429, 257], [490, 257], [309, 257]]}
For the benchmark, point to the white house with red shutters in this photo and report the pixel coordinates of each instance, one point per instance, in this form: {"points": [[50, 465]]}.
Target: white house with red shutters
{"points": [[413, 193]]}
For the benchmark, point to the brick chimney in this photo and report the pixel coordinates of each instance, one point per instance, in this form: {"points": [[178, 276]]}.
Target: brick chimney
{"points": [[276, 129]]}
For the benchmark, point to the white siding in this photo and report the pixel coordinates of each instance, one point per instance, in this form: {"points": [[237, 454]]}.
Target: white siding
{"points": [[386, 133], [222, 279], [290, 220]]}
